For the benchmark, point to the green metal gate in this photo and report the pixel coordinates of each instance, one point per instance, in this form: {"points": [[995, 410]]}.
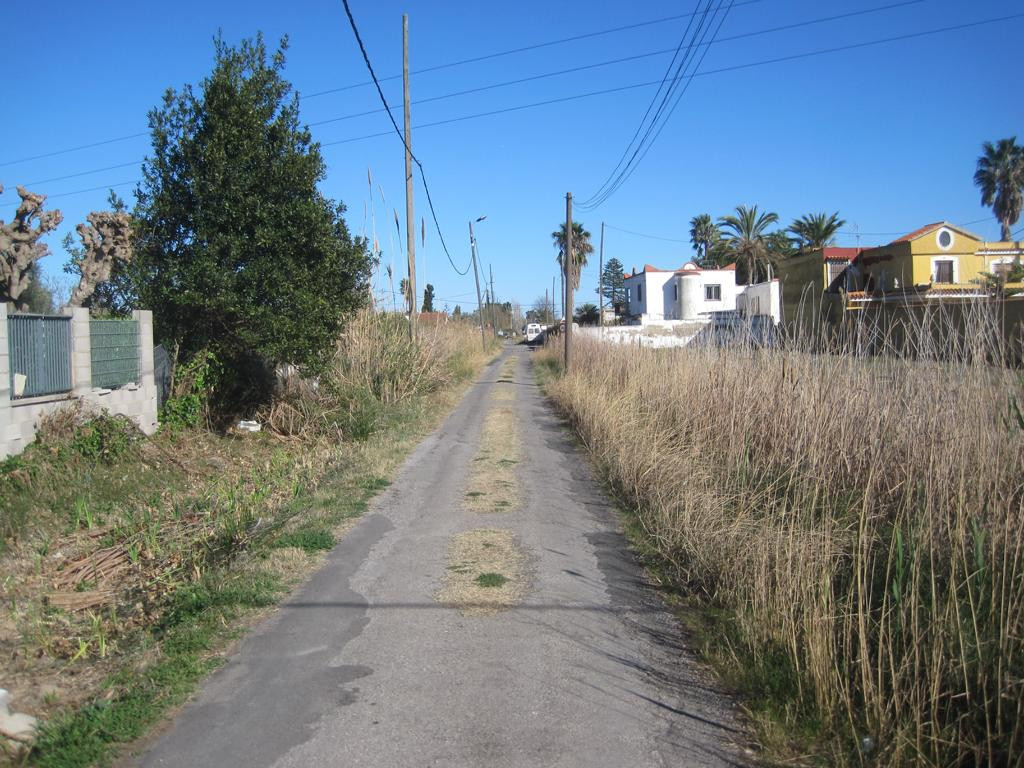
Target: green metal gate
{"points": [[40, 354], [115, 352]]}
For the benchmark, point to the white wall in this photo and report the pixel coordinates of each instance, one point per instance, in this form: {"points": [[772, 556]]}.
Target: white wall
{"points": [[674, 293], [652, 302], [761, 299]]}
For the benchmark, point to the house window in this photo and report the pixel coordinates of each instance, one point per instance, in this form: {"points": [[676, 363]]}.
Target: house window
{"points": [[835, 269], [712, 293], [639, 293], [675, 291], [944, 271]]}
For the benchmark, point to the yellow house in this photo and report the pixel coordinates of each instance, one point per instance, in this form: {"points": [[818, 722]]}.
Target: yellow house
{"points": [[807, 279], [940, 260]]}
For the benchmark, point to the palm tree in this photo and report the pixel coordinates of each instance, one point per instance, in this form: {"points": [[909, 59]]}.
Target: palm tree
{"points": [[1000, 176], [815, 230], [581, 248], [745, 235], [703, 234]]}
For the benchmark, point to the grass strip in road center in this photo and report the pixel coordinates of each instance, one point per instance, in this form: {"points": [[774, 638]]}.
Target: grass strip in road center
{"points": [[492, 485], [486, 572]]}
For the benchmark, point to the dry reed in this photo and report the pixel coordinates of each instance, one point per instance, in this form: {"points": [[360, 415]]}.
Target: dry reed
{"points": [[375, 365], [859, 515]]}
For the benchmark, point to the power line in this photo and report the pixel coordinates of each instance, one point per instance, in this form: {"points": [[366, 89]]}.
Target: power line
{"points": [[887, 234], [523, 49], [384, 101], [73, 149], [541, 76], [634, 86], [650, 106], [644, 234], [435, 68], [512, 82]]}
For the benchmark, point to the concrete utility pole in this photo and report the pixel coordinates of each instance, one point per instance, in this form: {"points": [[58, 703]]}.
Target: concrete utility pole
{"points": [[600, 281], [494, 317], [568, 270], [410, 237], [476, 276]]}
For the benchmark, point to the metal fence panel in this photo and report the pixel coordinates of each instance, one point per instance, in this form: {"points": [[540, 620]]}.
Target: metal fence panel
{"points": [[115, 352], [40, 351]]}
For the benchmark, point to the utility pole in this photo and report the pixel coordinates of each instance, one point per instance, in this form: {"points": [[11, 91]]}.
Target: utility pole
{"points": [[554, 315], [568, 269], [547, 305], [476, 276], [494, 317], [600, 281], [410, 237]]}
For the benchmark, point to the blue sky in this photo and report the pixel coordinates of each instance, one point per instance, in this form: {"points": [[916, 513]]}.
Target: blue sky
{"points": [[887, 134]]}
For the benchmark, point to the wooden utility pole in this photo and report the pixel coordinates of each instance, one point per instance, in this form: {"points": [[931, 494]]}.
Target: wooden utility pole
{"points": [[554, 314], [410, 237], [494, 317], [600, 280], [476, 276], [568, 271]]}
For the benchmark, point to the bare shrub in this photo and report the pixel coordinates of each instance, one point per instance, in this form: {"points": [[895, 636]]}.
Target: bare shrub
{"points": [[860, 514]]}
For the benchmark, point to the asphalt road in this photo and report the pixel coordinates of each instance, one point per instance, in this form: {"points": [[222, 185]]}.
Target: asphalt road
{"points": [[363, 667]]}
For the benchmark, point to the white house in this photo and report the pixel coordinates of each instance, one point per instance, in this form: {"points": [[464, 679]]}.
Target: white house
{"points": [[691, 294]]}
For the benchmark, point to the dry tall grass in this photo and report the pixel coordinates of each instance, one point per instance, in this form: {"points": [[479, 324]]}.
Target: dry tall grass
{"points": [[860, 516], [376, 365]]}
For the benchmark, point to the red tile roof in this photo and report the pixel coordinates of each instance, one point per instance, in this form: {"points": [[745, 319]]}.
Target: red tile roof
{"points": [[918, 232], [832, 253]]}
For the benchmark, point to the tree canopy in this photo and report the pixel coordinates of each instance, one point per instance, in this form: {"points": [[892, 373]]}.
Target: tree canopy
{"points": [[613, 284], [746, 234], [815, 230], [581, 249], [237, 250], [1000, 177], [428, 298]]}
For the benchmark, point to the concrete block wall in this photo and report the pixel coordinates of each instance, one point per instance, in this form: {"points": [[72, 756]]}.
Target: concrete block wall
{"points": [[81, 350], [20, 419], [5, 385]]}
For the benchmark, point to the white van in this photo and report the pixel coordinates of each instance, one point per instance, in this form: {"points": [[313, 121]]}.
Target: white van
{"points": [[532, 331]]}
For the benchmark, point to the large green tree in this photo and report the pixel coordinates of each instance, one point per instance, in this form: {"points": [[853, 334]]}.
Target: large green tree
{"points": [[815, 230], [238, 252], [746, 233], [1000, 177], [613, 284], [704, 234], [581, 249], [428, 298]]}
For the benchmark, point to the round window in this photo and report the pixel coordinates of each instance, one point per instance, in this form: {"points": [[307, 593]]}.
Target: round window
{"points": [[945, 239]]}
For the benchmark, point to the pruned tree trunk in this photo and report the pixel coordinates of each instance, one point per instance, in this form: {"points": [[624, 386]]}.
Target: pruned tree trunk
{"points": [[20, 247], [106, 238]]}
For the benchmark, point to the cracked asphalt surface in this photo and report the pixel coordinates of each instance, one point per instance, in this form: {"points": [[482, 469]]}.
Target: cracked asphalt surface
{"points": [[362, 667]]}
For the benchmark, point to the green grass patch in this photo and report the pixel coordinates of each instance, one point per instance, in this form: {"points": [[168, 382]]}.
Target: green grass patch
{"points": [[138, 698], [309, 539], [490, 580]]}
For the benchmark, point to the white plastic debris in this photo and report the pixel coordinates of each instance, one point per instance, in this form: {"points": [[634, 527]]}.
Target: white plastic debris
{"points": [[246, 425]]}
